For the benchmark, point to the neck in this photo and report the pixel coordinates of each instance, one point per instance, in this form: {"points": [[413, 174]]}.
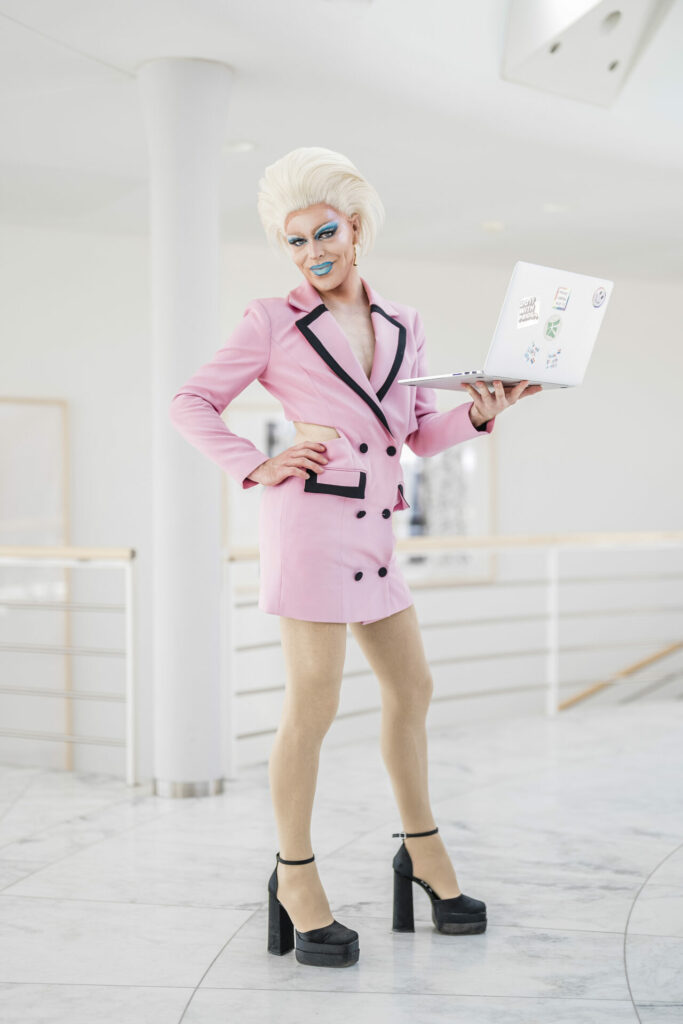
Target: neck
{"points": [[349, 293]]}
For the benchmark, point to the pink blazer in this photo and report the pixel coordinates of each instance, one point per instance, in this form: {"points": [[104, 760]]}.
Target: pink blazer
{"points": [[318, 534]]}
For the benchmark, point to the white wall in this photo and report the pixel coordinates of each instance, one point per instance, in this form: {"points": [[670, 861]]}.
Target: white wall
{"points": [[74, 324]]}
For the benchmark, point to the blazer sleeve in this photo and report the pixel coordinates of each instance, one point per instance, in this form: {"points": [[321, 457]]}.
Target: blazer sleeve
{"points": [[436, 430], [196, 407]]}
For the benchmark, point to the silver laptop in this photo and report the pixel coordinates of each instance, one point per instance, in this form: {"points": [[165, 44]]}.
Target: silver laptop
{"points": [[545, 333]]}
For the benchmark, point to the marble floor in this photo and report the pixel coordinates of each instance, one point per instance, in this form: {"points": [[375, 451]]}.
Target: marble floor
{"points": [[123, 908]]}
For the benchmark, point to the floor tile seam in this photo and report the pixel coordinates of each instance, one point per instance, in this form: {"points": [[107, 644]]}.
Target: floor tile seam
{"points": [[628, 920], [210, 965], [422, 993], [126, 799], [366, 917], [129, 903], [653, 1002], [95, 984], [238, 988], [19, 796], [85, 846]]}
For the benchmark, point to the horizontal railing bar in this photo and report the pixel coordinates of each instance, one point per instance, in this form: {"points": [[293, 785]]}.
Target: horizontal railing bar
{"points": [[635, 679], [442, 698], [9, 552], [60, 737], [535, 651], [35, 552], [568, 648], [70, 694], [535, 581], [593, 613], [377, 708], [509, 619], [502, 620], [61, 649], [649, 538], [62, 606]]}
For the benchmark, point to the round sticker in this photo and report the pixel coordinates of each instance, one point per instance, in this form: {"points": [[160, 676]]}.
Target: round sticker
{"points": [[599, 296]]}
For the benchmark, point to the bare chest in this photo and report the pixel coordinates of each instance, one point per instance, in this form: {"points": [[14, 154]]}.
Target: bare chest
{"points": [[360, 335]]}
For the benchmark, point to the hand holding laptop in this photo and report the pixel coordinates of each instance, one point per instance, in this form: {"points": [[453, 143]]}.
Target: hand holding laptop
{"points": [[487, 405]]}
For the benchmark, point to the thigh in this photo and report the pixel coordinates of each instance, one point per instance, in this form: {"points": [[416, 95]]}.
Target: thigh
{"points": [[314, 654], [395, 652]]}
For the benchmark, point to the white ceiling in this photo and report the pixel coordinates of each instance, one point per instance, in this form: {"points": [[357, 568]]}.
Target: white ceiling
{"points": [[410, 91]]}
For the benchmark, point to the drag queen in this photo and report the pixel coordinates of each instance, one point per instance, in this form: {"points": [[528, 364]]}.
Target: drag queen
{"points": [[331, 351]]}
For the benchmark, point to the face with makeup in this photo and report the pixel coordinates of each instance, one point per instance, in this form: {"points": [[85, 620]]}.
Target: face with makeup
{"points": [[321, 242]]}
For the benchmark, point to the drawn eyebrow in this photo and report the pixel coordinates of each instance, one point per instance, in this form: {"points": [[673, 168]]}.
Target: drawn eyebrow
{"points": [[324, 224]]}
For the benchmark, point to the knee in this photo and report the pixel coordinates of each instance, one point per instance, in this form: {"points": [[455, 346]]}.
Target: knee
{"points": [[424, 688], [308, 724], [414, 694]]}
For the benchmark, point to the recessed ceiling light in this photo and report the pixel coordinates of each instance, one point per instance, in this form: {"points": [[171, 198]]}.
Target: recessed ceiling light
{"points": [[239, 146], [554, 208]]}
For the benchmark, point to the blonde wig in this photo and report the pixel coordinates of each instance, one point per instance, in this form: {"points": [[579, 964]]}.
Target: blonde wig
{"points": [[310, 175]]}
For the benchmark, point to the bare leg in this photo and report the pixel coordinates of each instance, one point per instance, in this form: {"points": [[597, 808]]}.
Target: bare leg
{"points": [[314, 661], [394, 650]]}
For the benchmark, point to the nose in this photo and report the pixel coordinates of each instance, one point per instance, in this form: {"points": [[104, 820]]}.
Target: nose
{"points": [[316, 249]]}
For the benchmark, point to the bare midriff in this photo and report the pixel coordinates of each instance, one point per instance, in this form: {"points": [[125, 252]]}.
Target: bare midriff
{"points": [[313, 432]]}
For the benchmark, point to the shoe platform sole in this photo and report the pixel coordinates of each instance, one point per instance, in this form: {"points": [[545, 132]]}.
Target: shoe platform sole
{"points": [[454, 928], [315, 954]]}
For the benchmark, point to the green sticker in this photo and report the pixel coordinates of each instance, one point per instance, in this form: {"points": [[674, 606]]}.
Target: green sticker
{"points": [[552, 327]]}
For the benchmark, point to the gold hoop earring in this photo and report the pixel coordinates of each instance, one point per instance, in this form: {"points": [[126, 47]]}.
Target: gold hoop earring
{"points": [[355, 254]]}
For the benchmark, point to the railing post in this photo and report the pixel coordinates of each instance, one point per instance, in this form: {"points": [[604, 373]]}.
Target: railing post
{"points": [[131, 728], [228, 661], [552, 631]]}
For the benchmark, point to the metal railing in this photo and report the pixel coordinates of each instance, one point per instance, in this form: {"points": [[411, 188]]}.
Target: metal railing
{"points": [[122, 559], [554, 544]]}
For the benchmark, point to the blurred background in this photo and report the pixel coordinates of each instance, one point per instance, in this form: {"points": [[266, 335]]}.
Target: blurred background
{"points": [[494, 132], [137, 674]]}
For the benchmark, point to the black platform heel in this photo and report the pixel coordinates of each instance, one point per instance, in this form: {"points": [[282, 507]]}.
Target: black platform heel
{"points": [[458, 915], [333, 945]]}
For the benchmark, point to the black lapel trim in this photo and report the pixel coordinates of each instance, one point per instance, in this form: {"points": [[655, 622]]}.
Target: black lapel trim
{"points": [[311, 484], [304, 326], [400, 349]]}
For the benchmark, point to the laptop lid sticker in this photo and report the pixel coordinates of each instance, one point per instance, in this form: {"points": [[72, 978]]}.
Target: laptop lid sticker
{"points": [[528, 312]]}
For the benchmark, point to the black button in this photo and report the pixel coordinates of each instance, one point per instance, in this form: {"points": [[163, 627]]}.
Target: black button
{"points": [[359, 515], [359, 575], [363, 447], [386, 513], [382, 571], [391, 450]]}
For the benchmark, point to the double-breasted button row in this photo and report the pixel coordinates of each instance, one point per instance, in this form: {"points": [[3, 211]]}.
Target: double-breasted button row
{"points": [[386, 512], [382, 571], [391, 450]]}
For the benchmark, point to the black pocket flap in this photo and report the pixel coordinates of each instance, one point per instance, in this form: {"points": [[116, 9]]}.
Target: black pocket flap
{"points": [[348, 483]]}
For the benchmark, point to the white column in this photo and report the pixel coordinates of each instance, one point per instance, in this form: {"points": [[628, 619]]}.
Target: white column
{"points": [[185, 104]]}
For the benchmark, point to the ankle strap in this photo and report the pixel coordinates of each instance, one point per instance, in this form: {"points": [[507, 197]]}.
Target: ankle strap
{"points": [[307, 860], [409, 835]]}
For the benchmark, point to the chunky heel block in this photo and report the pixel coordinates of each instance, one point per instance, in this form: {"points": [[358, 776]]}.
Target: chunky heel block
{"points": [[403, 904], [458, 915], [333, 945]]}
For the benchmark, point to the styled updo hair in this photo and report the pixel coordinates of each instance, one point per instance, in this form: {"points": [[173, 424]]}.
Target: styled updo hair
{"points": [[310, 175]]}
